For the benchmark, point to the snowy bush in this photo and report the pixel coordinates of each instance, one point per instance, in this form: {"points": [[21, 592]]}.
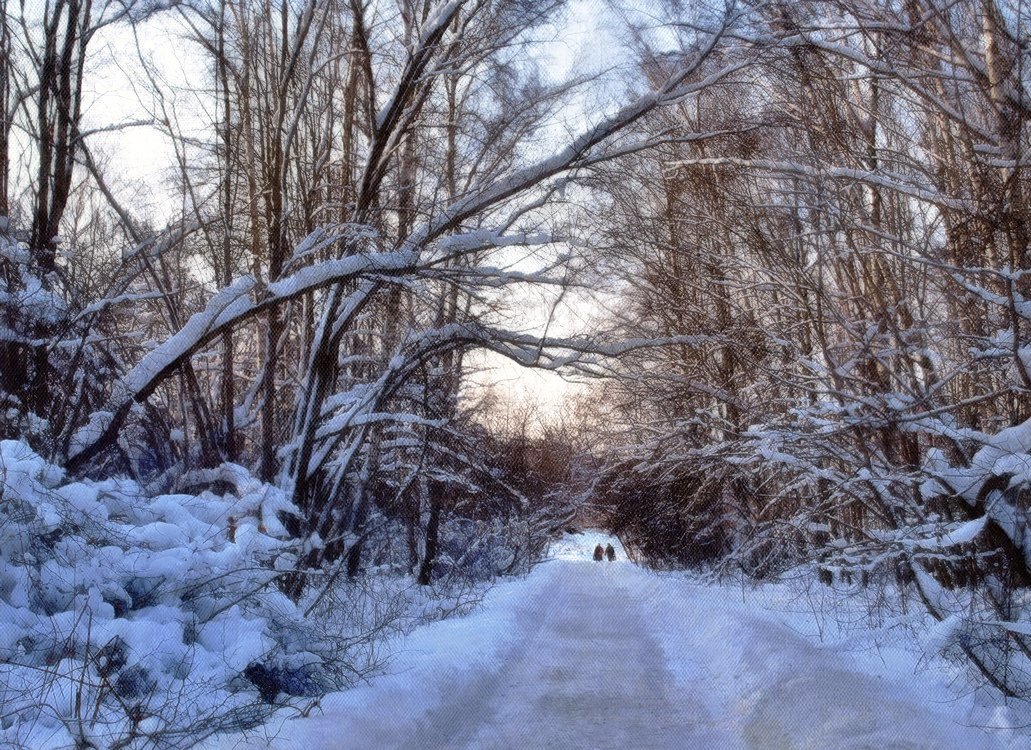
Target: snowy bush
{"points": [[134, 621], [482, 550]]}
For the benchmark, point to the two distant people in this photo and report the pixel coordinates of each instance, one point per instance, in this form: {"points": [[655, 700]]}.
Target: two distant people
{"points": [[603, 552]]}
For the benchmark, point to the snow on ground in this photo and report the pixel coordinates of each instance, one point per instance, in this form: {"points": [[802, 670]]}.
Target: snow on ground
{"points": [[585, 654], [433, 662], [771, 679]]}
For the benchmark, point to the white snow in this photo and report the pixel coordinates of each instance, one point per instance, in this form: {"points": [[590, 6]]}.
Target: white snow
{"points": [[88, 565], [585, 654], [965, 532]]}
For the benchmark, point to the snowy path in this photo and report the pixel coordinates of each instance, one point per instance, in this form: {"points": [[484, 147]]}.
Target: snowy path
{"points": [[584, 673], [585, 655]]}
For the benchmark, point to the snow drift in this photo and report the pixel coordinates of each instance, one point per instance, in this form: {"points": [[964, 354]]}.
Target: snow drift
{"points": [[132, 621]]}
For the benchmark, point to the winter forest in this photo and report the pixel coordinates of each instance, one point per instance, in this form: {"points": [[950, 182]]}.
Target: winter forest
{"points": [[323, 321]]}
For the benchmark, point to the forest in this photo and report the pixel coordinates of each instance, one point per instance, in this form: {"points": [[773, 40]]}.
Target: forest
{"points": [[262, 262]]}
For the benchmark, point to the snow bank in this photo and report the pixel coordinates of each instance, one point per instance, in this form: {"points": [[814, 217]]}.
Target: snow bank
{"points": [[427, 667], [782, 662], [138, 619]]}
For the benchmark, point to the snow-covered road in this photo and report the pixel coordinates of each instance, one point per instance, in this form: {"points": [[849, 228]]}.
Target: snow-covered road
{"points": [[586, 654], [584, 672]]}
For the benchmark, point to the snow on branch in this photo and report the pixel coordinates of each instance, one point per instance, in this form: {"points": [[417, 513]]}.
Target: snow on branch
{"points": [[228, 308]]}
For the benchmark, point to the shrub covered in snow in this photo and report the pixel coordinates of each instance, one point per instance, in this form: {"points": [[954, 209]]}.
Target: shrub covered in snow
{"points": [[132, 621]]}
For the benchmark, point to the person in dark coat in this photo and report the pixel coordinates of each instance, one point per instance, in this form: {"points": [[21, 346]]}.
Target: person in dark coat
{"points": [[599, 553], [610, 552]]}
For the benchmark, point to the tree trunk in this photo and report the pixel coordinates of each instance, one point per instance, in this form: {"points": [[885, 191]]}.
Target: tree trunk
{"points": [[432, 537]]}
